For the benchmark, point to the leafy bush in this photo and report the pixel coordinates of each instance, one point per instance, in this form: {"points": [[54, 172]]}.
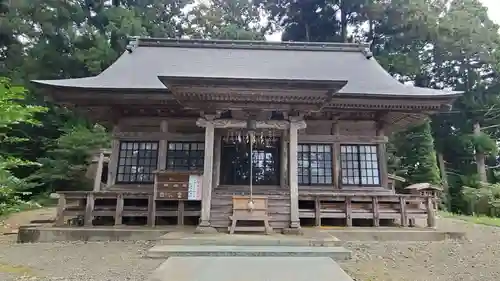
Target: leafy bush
{"points": [[13, 111], [484, 200], [68, 158]]}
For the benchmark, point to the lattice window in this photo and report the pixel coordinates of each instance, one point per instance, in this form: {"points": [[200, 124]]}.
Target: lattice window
{"points": [[185, 156], [314, 164], [359, 165], [137, 161], [235, 164]]}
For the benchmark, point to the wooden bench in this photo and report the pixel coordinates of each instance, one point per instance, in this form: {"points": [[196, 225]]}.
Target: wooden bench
{"points": [[242, 213]]}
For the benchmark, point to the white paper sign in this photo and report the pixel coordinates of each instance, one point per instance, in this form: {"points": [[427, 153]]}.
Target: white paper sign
{"points": [[195, 185]]}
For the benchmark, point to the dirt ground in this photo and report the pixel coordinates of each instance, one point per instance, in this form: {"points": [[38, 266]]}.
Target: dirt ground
{"points": [[12, 222], [475, 258]]}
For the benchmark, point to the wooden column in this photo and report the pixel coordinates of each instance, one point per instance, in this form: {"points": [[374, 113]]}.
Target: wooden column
{"points": [[336, 157], [283, 160], [61, 206], [162, 149], [295, 125], [98, 173], [206, 199], [113, 159], [217, 157], [382, 155]]}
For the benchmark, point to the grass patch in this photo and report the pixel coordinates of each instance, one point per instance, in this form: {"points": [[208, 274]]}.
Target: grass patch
{"points": [[17, 270], [491, 221]]}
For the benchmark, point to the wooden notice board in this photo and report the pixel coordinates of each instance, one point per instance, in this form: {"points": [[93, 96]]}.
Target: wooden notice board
{"points": [[172, 185]]}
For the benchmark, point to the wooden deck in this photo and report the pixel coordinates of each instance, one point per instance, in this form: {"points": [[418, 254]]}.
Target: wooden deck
{"points": [[121, 204], [406, 208], [319, 206]]}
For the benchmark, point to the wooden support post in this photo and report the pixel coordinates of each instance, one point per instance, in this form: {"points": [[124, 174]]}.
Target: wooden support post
{"points": [[336, 158], [296, 123], [162, 148], [151, 211], [376, 213], [348, 211], [113, 159], [180, 213], [119, 209], [317, 211], [382, 155], [431, 216], [206, 199], [89, 209], [217, 159], [98, 173], [61, 206], [402, 209], [283, 160]]}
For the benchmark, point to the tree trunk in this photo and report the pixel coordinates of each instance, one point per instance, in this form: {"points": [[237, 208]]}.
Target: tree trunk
{"points": [[343, 21], [444, 179], [480, 158]]}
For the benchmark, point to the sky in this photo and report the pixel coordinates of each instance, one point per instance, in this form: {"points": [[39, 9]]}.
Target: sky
{"points": [[493, 9], [492, 5]]}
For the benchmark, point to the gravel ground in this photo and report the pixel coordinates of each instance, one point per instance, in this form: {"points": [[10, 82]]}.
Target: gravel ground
{"points": [[110, 261], [475, 259]]}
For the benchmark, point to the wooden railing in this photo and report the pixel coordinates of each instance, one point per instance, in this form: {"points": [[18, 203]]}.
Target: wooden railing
{"points": [[406, 208], [83, 204]]}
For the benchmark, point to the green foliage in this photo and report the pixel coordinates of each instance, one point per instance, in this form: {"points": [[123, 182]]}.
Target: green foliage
{"points": [[437, 44], [484, 200], [68, 157], [416, 154], [484, 143], [12, 112]]}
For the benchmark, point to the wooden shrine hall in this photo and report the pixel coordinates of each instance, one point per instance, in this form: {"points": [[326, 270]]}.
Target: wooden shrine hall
{"points": [[220, 133]]}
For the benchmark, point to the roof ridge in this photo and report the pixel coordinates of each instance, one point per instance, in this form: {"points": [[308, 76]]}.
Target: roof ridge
{"points": [[248, 44]]}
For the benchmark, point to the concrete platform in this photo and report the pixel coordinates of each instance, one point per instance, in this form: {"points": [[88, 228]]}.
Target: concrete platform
{"points": [[249, 269], [32, 234], [222, 239], [392, 234], [167, 251]]}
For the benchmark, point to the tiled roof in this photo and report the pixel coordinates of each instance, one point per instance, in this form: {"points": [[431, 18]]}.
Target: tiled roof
{"points": [[150, 58]]}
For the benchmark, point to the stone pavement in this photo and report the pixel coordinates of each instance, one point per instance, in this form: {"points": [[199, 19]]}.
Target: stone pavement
{"points": [[166, 251], [249, 269]]}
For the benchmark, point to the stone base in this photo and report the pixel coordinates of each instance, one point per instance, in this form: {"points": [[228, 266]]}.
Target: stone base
{"points": [[293, 231], [205, 229]]}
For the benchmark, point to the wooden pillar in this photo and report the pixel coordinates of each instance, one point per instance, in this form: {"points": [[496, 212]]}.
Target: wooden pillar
{"points": [[336, 157], [119, 209], [216, 163], [295, 125], [98, 173], [113, 159], [89, 209], [162, 148], [206, 199], [283, 160], [382, 155], [431, 216], [61, 206]]}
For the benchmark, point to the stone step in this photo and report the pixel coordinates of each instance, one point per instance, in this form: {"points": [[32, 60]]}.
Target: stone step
{"points": [[222, 239], [249, 269], [166, 251]]}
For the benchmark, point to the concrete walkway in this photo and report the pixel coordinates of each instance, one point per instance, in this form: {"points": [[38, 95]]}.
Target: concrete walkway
{"points": [[249, 269]]}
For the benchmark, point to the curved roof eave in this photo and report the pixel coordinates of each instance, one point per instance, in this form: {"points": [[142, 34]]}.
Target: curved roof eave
{"points": [[139, 68]]}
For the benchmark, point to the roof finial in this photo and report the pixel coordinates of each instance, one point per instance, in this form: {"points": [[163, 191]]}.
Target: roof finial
{"points": [[132, 44]]}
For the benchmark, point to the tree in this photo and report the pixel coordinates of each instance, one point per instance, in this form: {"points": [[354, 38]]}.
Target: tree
{"points": [[12, 111]]}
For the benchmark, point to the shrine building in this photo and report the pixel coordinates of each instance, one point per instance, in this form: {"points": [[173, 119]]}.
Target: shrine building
{"points": [[183, 114]]}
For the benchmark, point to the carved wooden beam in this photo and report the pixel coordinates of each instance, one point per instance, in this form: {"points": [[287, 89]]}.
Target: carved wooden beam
{"points": [[233, 123]]}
